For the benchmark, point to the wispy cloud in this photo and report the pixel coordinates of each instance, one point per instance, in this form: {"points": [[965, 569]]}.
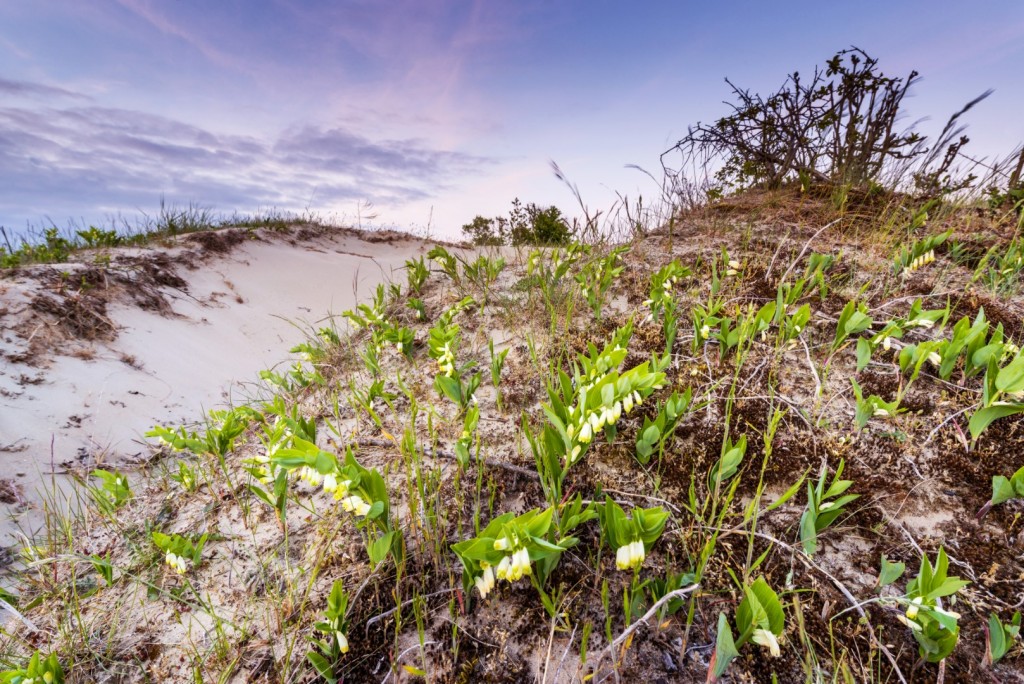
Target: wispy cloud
{"points": [[39, 90], [84, 160]]}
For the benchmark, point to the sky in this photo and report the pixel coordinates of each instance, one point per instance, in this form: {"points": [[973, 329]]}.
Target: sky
{"points": [[421, 114]]}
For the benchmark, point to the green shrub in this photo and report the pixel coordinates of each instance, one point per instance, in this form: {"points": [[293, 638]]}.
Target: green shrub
{"points": [[524, 225]]}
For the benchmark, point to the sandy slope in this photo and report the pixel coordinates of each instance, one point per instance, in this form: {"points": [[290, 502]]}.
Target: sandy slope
{"points": [[238, 313]]}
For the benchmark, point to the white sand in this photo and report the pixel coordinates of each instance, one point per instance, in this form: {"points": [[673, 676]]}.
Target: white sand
{"points": [[241, 314]]}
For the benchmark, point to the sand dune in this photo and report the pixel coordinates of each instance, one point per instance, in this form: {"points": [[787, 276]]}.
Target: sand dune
{"points": [[74, 403]]}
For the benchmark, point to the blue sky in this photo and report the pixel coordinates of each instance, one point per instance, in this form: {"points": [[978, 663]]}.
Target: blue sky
{"points": [[432, 110]]}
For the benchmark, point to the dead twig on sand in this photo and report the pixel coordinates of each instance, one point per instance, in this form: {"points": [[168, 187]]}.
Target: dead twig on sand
{"points": [[628, 632]]}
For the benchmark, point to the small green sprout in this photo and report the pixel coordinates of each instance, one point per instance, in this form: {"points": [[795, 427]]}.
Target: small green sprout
{"points": [[853, 320], [402, 338], [823, 507], [1004, 489], [551, 266], [448, 263], [483, 272], [369, 316], [186, 476], [729, 463], [759, 618], [934, 627], [795, 324], [418, 306], [103, 567], [663, 283], [444, 338], [1000, 637], [654, 434], [872, 407], [497, 363], [222, 429], [113, 492], [334, 628], [417, 272], [597, 277], [662, 301], [705, 323], [1000, 272]]}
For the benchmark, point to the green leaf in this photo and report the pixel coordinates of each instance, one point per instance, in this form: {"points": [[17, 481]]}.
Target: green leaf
{"points": [[617, 527], [788, 494], [1002, 490], [375, 510], [449, 387], [322, 667], [261, 495], [643, 452], [769, 601], [997, 646], [544, 548], [809, 533], [1011, 377], [379, 549], [890, 572], [984, 417], [858, 322], [162, 541], [651, 434], [325, 463], [863, 353], [539, 523], [981, 357], [725, 649], [947, 587]]}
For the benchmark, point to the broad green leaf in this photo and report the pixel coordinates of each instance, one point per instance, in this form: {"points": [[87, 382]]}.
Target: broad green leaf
{"points": [[651, 434], [1011, 377], [947, 587], [984, 417], [161, 540], [890, 572], [379, 549], [322, 667], [836, 488], [863, 353], [1002, 490], [449, 387], [544, 548], [769, 601], [858, 322], [643, 452], [980, 358], [725, 649], [539, 522], [375, 510], [997, 646]]}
